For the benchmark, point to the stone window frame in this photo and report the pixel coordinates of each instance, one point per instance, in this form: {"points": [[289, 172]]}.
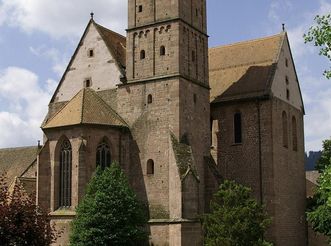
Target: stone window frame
{"points": [[237, 128], [103, 154], [285, 129], [65, 174], [150, 167], [162, 50]]}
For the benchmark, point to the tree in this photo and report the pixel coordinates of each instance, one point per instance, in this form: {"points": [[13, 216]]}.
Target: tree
{"points": [[22, 222], [325, 159], [235, 218], [319, 214], [110, 213], [320, 35]]}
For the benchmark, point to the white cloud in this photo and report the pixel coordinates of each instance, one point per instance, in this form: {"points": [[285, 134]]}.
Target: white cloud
{"points": [[62, 18], [27, 106]]}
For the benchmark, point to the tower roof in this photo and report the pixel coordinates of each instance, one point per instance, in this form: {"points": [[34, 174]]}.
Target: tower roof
{"points": [[86, 107], [244, 69]]}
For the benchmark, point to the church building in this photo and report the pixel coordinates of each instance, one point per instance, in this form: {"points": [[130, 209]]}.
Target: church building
{"points": [[179, 118]]}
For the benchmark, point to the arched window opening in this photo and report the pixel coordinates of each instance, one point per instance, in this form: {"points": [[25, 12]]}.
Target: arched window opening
{"points": [[103, 156], [65, 174], [150, 167], [142, 55], [285, 129], [294, 134], [149, 99], [237, 128], [162, 51]]}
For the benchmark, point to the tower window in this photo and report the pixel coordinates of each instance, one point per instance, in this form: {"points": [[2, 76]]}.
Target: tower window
{"points": [[90, 53], [286, 62], [196, 12], [195, 98], [87, 83], [149, 99], [285, 129], [150, 167], [140, 8], [162, 51], [237, 128], [287, 80], [288, 94], [103, 156], [142, 55], [65, 174]]}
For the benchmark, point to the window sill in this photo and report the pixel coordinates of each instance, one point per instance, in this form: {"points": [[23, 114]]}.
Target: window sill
{"points": [[237, 144], [63, 212]]}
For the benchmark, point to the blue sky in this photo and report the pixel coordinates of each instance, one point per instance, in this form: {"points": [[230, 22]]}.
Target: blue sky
{"points": [[38, 37]]}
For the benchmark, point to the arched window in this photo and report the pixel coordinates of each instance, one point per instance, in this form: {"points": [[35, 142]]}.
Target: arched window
{"points": [[65, 174], [294, 134], [142, 54], [237, 128], [149, 99], [103, 156], [162, 51], [150, 167], [285, 129]]}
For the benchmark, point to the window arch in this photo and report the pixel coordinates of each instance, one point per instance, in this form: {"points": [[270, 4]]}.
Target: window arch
{"points": [[65, 174], [103, 155], [162, 51], [142, 54], [237, 128], [285, 129], [150, 167], [149, 99], [294, 134]]}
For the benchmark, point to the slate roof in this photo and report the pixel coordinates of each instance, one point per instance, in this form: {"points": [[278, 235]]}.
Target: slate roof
{"points": [[244, 69], [15, 161], [86, 107]]}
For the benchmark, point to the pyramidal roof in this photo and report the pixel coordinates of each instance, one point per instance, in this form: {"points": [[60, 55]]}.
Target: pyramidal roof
{"points": [[86, 107]]}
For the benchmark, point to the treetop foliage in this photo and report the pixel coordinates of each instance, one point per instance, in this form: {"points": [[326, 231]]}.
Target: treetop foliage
{"points": [[235, 218], [325, 159], [110, 213], [320, 35]]}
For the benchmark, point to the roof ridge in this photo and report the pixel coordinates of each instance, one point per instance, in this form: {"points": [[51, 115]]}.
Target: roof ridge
{"points": [[106, 29], [246, 41], [47, 121], [107, 106]]}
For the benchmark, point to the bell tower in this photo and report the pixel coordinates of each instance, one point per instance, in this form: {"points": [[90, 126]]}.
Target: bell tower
{"points": [[165, 100]]}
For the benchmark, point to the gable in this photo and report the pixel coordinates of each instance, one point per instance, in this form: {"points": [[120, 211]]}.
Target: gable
{"points": [[103, 69], [285, 78]]}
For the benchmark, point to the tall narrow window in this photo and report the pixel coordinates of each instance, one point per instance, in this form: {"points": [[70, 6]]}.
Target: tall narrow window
{"points": [[103, 157], [162, 51], [193, 56], [90, 53], [294, 134], [149, 99], [65, 174], [140, 8], [237, 128], [287, 94], [142, 55], [285, 129], [150, 167]]}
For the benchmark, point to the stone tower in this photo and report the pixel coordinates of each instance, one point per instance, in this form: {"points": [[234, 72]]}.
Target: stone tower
{"points": [[165, 100]]}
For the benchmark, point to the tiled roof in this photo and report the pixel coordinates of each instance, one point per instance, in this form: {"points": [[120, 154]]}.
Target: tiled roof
{"points": [[115, 42], [85, 108], [245, 69], [15, 161]]}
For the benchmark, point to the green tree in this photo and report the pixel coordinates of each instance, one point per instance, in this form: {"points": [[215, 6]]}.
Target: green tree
{"points": [[110, 213], [325, 159], [320, 35], [319, 214], [22, 222], [235, 218]]}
